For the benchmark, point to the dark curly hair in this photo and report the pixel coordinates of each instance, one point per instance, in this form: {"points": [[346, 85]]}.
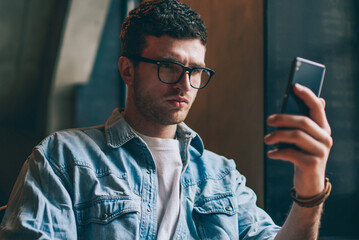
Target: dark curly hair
{"points": [[158, 18]]}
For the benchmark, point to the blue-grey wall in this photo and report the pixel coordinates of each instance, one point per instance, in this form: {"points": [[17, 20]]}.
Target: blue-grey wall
{"points": [[327, 32]]}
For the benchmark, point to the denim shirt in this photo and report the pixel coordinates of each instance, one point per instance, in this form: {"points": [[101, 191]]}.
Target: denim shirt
{"points": [[101, 183]]}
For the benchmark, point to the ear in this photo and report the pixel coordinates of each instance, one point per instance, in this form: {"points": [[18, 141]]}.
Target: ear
{"points": [[127, 70]]}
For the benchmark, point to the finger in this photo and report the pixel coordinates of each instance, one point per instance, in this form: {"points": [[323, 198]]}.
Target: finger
{"points": [[298, 138], [303, 123], [299, 159], [315, 105], [323, 102]]}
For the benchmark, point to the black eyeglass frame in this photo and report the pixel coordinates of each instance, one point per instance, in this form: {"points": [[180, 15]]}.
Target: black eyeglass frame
{"points": [[184, 69]]}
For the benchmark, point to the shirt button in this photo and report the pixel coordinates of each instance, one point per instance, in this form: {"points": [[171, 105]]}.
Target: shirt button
{"points": [[148, 172], [148, 210], [228, 208]]}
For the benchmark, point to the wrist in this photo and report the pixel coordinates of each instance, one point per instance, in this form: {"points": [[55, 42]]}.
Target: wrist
{"points": [[313, 200], [308, 184]]}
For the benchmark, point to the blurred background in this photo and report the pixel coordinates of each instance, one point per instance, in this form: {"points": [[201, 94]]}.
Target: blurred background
{"points": [[58, 69]]}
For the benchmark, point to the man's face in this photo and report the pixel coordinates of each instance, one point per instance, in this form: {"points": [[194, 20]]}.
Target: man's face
{"points": [[161, 103]]}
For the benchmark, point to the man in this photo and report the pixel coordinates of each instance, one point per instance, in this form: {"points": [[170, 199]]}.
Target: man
{"points": [[145, 174]]}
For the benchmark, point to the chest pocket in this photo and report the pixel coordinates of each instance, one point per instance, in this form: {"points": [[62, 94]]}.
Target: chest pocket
{"points": [[108, 218], [223, 203], [216, 217]]}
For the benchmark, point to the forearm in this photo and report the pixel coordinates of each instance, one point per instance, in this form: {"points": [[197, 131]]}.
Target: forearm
{"points": [[302, 223]]}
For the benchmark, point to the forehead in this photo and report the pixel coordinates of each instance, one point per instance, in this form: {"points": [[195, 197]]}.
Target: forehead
{"points": [[187, 51]]}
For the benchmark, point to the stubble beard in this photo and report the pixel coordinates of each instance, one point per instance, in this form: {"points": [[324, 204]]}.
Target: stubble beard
{"points": [[151, 109]]}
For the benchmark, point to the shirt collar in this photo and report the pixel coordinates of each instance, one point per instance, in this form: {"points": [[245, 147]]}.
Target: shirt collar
{"points": [[119, 132]]}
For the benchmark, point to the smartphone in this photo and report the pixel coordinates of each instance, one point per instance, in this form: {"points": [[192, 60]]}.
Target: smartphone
{"points": [[307, 73]]}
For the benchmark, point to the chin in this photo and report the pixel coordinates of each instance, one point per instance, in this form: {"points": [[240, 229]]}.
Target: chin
{"points": [[180, 117], [174, 119]]}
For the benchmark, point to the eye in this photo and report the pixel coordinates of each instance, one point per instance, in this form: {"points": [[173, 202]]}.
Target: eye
{"points": [[170, 67], [197, 70], [166, 65]]}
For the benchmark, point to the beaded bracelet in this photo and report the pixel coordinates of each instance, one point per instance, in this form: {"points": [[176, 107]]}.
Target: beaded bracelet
{"points": [[313, 201]]}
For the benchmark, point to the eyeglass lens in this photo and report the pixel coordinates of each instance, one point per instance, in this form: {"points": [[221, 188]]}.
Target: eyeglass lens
{"points": [[171, 73]]}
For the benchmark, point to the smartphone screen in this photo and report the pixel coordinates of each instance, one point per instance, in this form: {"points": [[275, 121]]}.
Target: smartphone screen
{"points": [[307, 73]]}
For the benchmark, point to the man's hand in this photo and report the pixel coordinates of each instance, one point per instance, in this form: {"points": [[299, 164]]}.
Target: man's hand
{"points": [[311, 135]]}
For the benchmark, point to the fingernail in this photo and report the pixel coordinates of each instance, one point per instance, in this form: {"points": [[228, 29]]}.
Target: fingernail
{"points": [[266, 137], [269, 153], [271, 118], [298, 86]]}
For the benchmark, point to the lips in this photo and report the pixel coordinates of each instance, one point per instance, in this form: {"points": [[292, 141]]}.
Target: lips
{"points": [[178, 102]]}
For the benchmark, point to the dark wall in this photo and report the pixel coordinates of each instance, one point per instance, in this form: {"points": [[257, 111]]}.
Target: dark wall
{"points": [[326, 31], [30, 33]]}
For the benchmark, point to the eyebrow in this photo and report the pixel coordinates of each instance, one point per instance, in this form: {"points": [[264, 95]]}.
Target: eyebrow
{"points": [[173, 59]]}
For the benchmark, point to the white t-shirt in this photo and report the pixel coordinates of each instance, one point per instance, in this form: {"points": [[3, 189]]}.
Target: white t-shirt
{"points": [[166, 154]]}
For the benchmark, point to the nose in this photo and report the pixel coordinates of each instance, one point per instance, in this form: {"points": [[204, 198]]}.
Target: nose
{"points": [[184, 84]]}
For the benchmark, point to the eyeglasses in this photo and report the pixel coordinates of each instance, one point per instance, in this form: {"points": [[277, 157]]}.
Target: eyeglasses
{"points": [[171, 72]]}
